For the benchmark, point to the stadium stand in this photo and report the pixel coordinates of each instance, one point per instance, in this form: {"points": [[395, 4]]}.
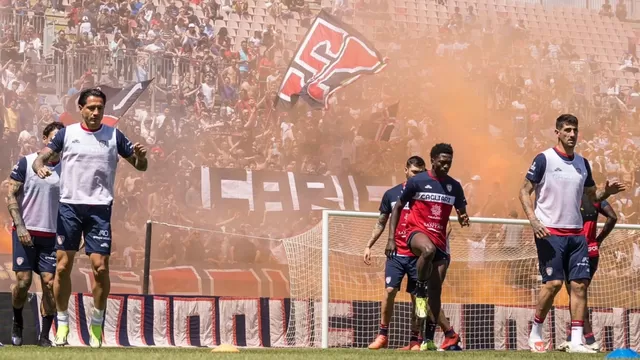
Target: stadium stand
{"points": [[217, 61]]}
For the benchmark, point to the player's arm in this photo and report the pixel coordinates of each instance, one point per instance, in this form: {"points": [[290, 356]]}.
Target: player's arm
{"points": [[16, 181], [461, 206], [598, 195], [378, 227], [135, 154], [534, 176], [606, 210], [381, 223], [44, 156]]}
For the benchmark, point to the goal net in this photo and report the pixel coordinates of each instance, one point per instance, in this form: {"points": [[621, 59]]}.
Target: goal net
{"points": [[489, 294]]}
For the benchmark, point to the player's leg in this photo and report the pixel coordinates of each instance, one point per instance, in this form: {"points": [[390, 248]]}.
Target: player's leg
{"points": [[97, 228], [23, 263], [423, 248], [393, 274], [589, 338], [67, 244], [410, 268], [47, 269], [550, 261], [578, 276], [451, 338]]}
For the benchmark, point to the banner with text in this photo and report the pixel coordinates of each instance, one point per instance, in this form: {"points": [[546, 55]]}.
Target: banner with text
{"points": [[288, 191], [134, 320]]}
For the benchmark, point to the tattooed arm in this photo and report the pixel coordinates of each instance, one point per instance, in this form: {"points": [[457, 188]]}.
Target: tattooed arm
{"points": [[16, 181], [44, 156]]}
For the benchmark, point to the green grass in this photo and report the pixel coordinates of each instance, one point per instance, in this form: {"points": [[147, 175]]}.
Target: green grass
{"points": [[33, 352]]}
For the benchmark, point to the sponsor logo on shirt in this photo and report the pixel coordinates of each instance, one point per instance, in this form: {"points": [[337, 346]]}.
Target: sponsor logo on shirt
{"points": [[435, 197]]}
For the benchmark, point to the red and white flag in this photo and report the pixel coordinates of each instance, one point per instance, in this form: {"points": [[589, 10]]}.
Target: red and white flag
{"points": [[332, 55]]}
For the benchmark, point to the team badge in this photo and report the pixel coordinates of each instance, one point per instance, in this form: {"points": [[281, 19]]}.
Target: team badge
{"points": [[436, 210], [19, 261], [60, 239], [449, 187], [388, 279], [549, 271]]}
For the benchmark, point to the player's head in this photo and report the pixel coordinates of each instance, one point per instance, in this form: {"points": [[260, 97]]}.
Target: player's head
{"points": [[415, 165], [567, 130], [91, 104], [441, 159], [50, 131]]}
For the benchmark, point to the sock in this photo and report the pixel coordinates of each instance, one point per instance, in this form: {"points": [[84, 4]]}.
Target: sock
{"points": [[536, 329], [589, 338], [430, 330], [421, 289], [449, 333], [17, 317], [415, 336], [97, 318], [577, 330], [46, 326], [63, 318], [384, 330]]}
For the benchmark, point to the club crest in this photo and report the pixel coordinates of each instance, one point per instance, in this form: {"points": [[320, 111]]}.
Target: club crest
{"points": [[60, 239], [449, 187], [549, 271], [20, 261]]}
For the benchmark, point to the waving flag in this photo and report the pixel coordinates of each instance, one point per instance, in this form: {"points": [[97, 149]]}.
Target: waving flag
{"points": [[119, 100], [332, 55]]}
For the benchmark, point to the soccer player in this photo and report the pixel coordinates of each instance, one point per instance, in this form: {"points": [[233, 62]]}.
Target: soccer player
{"points": [[590, 212], [431, 195], [33, 206], [559, 178], [89, 157]]}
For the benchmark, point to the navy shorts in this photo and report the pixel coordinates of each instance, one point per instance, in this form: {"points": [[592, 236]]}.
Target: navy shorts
{"points": [[593, 265], [92, 221], [563, 258], [396, 268], [39, 258], [439, 256]]}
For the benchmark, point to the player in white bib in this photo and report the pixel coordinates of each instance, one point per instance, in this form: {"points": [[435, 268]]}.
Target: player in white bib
{"points": [[89, 158], [33, 207], [559, 178]]}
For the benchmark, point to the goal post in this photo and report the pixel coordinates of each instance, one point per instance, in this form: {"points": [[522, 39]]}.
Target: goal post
{"points": [[489, 295]]}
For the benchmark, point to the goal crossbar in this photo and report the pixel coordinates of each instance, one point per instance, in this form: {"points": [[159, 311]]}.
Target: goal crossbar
{"points": [[326, 214]]}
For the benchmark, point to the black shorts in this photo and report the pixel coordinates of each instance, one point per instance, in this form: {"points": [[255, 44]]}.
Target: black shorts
{"points": [[439, 256]]}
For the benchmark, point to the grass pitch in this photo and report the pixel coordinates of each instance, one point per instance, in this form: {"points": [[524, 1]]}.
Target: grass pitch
{"points": [[68, 353]]}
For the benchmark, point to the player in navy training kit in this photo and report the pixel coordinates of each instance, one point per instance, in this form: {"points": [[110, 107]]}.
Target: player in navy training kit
{"points": [[33, 206], [590, 212], [404, 263], [431, 196], [89, 158], [559, 178]]}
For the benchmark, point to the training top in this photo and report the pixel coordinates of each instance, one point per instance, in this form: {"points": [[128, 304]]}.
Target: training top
{"points": [[431, 200], [389, 200], [559, 181], [38, 198], [590, 212], [89, 161]]}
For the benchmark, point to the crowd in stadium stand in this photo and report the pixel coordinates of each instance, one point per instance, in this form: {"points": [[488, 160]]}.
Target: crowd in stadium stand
{"points": [[217, 66]]}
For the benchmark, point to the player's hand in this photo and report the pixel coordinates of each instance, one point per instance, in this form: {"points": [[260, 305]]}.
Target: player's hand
{"points": [[463, 219], [43, 172], [540, 231], [614, 187], [367, 255], [24, 236], [140, 151], [391, 249]]}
